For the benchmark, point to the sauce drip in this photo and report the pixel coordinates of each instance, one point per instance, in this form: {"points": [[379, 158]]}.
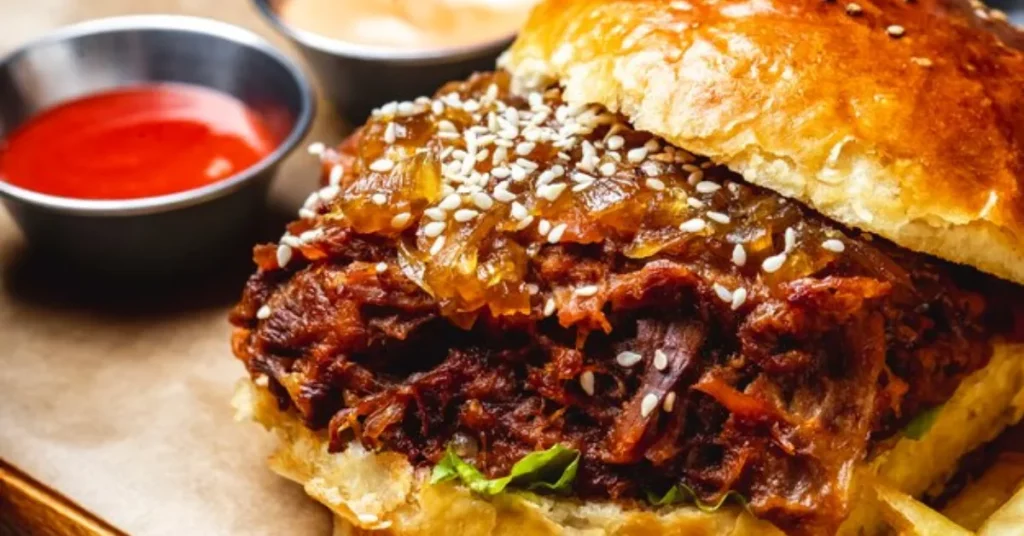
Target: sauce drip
{"points": [[136, 142], [408, 24]]}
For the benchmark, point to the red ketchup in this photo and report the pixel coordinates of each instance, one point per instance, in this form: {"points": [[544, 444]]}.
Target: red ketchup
{"points": [[135, 142]]}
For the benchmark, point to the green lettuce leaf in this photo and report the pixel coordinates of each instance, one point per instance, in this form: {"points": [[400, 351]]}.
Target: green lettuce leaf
{"points": [[920, 425], [553, 469], [681, 493]]}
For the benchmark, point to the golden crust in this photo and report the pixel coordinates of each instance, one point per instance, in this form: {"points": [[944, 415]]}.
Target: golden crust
{"points": [[381, 493], [918, 138]]}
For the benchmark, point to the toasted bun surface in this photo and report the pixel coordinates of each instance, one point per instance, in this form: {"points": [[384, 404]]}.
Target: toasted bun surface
{"points": [[903, 119], [381, 493]]}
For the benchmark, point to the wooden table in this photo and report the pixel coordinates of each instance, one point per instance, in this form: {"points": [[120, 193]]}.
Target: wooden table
{"points": [[118, 399]]}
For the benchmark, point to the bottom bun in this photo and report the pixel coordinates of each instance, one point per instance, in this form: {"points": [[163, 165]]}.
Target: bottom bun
{"points": [[382, 493]]}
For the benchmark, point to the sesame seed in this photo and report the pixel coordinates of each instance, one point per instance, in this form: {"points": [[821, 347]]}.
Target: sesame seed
{"points": [[551, 192], [379, 199], [549, 307], [628, 359], [518, 173], [694, 202], [586, 291], [583, 177], [437, 107], [389, 134], [450, 202], [854, 8], [382, 165], [739, 255], [284, 254], [607, 169], [436, 247], [647, 405], [291, 241], [544, 227], [526, 164], [650, 169], [587, 382], [482, 200], [652, 145], [434, 228], [660, 360], [435, 213], [655, 184], [615, 142], [669, 403], [519, 211], [501, 172], [789, 239], [582, 186], [445, 125], [368, 518], [695, 225], [328, 193], [739, 297], [311, 235], [773, 263], [833, 245], [334, 177], [556, 234], [637, 155], [400, 220], [707, 187], [503, 195], [406, 108], [723, 293], [525, 148], [718, 217], [306, 214], [895, 30], [263, 313], [316, 148], [465, 214], [695, 177], [312, 201]]}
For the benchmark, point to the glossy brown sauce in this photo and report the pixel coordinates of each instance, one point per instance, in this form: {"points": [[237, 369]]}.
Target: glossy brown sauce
{"points": [[555, 174]]}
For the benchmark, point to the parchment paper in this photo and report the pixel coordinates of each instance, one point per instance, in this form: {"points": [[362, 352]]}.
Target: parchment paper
{"points": [[118, 396]]}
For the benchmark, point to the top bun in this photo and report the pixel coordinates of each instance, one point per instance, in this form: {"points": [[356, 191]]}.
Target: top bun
{"points": [[904, 118]]}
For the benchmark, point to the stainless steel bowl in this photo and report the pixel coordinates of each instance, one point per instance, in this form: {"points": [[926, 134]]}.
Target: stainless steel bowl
{"points": [[168, 232], [356, 78]]}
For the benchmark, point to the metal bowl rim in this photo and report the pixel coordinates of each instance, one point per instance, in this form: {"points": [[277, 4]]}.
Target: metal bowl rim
{"points": [[163, 203], [347, 49]]}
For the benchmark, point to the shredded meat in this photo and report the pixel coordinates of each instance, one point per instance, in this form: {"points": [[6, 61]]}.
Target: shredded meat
{"points": [[774, 397]]}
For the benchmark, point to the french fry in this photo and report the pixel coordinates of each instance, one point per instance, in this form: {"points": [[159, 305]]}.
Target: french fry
{"points": [[972, 506], [1008, 520], [913, 518]]}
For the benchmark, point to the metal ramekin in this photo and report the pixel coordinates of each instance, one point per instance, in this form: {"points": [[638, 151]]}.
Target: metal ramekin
{"points": [[356, 78], [167, 232]]}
